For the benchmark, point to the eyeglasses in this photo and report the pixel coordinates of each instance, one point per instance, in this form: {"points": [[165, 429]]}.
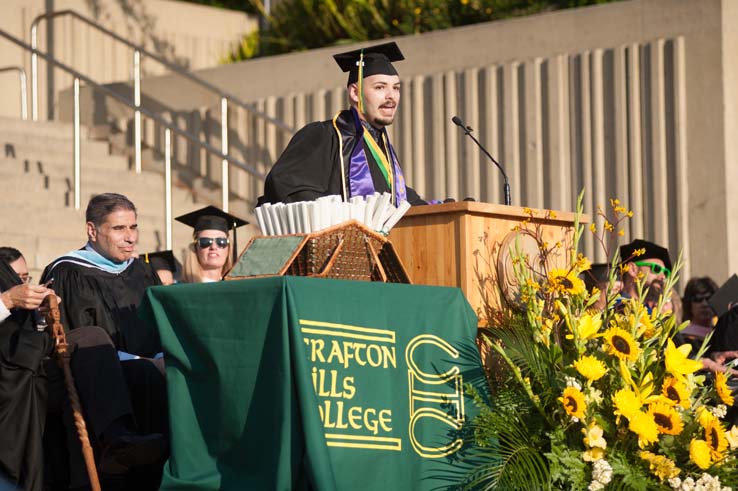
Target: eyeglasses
{"points": [[655, 268], [701, 298], [205, 242]]}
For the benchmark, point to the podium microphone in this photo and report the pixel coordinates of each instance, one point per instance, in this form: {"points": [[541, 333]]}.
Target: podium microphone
{"points": [[468, 132]]}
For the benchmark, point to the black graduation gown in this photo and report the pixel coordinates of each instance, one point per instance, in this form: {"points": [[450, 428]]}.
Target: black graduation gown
{"points": [[310, 166], [93, 297], [22, 392]]}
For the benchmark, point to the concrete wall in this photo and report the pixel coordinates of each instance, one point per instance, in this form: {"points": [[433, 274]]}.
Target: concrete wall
{"points": [[635, 100], [188, 35]]}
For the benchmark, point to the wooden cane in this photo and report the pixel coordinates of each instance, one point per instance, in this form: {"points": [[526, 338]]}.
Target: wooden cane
{"points": [[63, 356]]}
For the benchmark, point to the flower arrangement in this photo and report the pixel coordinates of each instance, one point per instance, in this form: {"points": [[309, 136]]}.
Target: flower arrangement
{"points": [[587, 399]]}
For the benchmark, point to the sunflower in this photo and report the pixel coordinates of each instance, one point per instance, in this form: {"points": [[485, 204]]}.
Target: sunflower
{"points": [[699, 453], [621, 344], [662, 467], [565, 281], [716, 440], [573, 401], [590, 367], [678, 362], [627, 403], [643, 425], [667, 419], [724, 392], [676, 392]]}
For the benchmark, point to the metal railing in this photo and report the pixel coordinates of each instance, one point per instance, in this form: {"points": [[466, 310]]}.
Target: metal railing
{"points": [[138, 50], [168, 125], [23, 87]]}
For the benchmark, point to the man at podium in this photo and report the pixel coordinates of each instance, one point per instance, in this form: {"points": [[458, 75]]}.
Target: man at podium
{"points": [[349, 155]]}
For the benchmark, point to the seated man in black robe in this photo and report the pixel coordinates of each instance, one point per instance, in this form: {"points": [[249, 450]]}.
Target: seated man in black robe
{"points": [[22, 381], [350, 155], [102, 285]]}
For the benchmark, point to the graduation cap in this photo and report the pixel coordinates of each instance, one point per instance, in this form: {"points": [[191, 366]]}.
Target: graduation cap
{"points": [[596, 274], [377, 60], [212, 218], [160, 260], [727, 295], [653, 251]]}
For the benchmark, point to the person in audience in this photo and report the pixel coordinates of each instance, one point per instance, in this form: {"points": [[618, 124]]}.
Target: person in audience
{"points": [[696, 309], [208, 256], [349, 155], [645, 263], [101, 286], [23, 391], [649, 263], [164, 265], [15, 259], [598, 277]]}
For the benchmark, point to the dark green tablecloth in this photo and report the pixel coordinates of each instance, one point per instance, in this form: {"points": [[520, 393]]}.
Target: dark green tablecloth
{"points": [[299, 383]]}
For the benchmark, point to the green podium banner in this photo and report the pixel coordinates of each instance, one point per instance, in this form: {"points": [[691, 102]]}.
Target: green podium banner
{"points": [[301, 383]]}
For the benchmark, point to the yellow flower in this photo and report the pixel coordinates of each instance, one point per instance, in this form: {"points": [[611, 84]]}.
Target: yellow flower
{"points": [[724, 392], [588, 326], [593, 436], [678, 362], [590, 367], [643, 425], [565, 281], [583, 263], [676, 391], [621, 344], [732, 437], [667, 419], [593, 454], [627, 403], [716, 440], [573, 401], [662, 467], [699, 453]]}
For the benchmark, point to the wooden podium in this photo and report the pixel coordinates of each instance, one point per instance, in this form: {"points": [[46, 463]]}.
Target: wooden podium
{"points": [[458, 244]]}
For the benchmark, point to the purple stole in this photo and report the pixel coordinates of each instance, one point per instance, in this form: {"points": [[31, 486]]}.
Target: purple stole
{"points": [[360, 178]]}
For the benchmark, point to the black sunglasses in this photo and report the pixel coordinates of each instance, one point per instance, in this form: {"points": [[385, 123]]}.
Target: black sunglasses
{"points": [[205, 242], [701, 298]]}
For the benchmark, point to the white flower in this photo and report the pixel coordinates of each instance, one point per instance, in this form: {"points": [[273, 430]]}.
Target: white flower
{"points": [[601, 471], [572, 382], [596, 486], [720, 411], [675, 483]]}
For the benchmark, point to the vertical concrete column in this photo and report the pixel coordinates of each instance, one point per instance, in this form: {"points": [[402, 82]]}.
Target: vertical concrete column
{"points": [[419, 115], [438, 138], [533, 134], [635, 176], [492, 186], [474, 157], [599, 193], [452, 139], [659, 185], [560, 162], [680, 155], [405, 148], [511, 124], [620, 86]]}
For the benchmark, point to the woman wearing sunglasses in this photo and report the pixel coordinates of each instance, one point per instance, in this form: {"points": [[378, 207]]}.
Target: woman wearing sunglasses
{"points": [[208, 256], [696, 309]]}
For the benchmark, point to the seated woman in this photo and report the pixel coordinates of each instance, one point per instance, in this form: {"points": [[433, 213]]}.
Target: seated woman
{"points": [[697, 311], [208, 257]]}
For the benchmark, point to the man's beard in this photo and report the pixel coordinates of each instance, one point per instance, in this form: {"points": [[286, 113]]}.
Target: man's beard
{"points": [[380, 122], [654, 290]]}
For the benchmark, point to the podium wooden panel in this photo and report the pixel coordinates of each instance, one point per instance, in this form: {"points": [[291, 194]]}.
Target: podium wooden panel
{"points": [[436, 243]]}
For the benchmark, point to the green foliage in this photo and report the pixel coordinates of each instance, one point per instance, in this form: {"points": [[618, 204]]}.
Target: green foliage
{"points": [[295, 25]]}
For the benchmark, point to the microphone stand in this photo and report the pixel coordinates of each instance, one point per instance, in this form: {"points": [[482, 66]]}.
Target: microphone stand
{"points": [[468, 132]]}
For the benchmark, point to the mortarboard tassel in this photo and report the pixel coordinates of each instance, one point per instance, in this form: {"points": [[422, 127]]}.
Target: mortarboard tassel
{"points": [[361, 82]]}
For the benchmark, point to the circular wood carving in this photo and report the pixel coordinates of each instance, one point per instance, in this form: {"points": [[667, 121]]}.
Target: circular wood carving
{"points": [[524, 242]]}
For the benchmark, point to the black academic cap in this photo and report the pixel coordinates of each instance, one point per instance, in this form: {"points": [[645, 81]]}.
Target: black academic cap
{"points": [[377, 60], [596, 274], [212, 218], [160, 260], [652, 251], [726, 296]]}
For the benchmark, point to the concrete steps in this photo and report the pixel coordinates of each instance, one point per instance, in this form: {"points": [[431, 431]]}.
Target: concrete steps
{"points": [[36, 192]]}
